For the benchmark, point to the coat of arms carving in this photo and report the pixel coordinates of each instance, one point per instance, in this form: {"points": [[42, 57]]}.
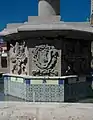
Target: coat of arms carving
{"points": [[19, 58], [45, 58]]}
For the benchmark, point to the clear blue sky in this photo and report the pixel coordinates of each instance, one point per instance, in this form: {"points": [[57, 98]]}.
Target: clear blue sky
{"points": [[19, 10]]}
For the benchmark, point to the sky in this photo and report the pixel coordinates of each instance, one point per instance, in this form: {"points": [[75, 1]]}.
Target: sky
{"points": [[16, 11]]}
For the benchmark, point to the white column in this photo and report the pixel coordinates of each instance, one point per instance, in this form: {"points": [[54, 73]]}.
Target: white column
{"points": [[48, 7]]}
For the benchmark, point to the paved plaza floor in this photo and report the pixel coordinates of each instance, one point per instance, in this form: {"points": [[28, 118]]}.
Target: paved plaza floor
{"points": [[45, 111]]}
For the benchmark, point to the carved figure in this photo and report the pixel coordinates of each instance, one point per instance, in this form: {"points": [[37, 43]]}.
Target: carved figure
{"points": [[19, 58], [45, 59]]}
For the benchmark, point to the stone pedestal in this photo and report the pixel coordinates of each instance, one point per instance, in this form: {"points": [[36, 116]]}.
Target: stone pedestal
{"points": [[36, 56], [50, 56]]}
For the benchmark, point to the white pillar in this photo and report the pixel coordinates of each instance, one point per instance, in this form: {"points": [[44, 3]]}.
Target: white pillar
{"points": [[48, 7]]}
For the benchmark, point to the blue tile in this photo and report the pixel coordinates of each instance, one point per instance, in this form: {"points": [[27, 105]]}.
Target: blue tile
{"points": [[61, 82], [27, 81]]}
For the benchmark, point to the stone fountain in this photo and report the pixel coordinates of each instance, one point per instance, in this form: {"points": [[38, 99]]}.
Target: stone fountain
{"points": [[48, 49]]}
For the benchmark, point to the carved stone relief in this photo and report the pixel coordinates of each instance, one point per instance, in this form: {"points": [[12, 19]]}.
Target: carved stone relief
{"points": [[45, 58], [19, 58]]}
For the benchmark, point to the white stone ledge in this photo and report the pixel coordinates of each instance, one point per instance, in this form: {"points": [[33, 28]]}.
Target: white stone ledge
{"points": [[45, 25], [8, 31], [41, 77], [41, 19]]}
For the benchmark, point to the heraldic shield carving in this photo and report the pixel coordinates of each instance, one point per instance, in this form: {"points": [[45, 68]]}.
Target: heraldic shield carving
{"points": [[45, 59]]}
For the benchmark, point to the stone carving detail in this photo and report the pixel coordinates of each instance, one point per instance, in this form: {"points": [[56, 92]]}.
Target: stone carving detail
{"points": [[76, 57], [45, 58], [18, 58]]}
